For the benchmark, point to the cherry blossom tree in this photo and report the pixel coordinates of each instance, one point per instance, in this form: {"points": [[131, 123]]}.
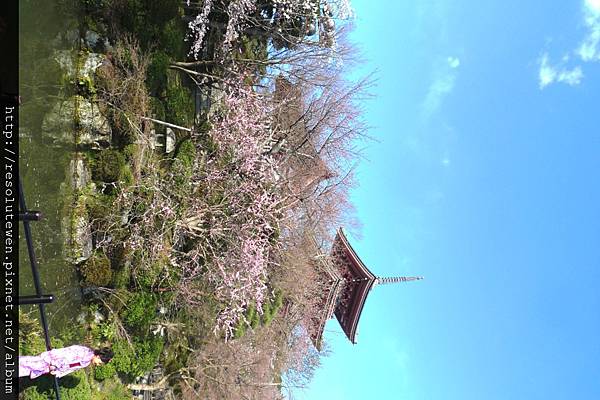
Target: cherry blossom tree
{"points": [[286, 22], [232, 217]]}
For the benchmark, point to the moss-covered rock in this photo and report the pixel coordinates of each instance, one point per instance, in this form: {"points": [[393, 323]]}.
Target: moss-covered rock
{"points": [[108, 166], [77, 121], [76, 229], [96, 270]]}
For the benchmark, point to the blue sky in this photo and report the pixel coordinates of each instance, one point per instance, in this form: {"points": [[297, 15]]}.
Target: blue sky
{"points": [[484, 180]]}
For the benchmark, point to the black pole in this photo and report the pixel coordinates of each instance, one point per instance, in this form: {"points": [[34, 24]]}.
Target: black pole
{"points": [[43, 299], [36, 276], [30, 216]]}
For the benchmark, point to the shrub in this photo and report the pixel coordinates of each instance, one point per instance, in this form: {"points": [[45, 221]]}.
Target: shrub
{"points": [[139, 359], [147, 276], [103, 331], [107, 167], [240, 329], [140, 310], [156, 78], [96, 270], [173, 38], [104, 371], [179, 105], [126, 175], [186, 154], [31, 339], [99, 206], [271, 308], [113, 389], [129, 152], [158, 108], [121, 278], [251, 318], [117, 301], [33, 393], [74, 386]]}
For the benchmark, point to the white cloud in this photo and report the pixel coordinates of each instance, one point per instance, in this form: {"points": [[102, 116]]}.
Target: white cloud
{"points": [[571, 77], [589, 50], [453, 62], [593, 5], [443, 83], [438, 90], [558, 73]]}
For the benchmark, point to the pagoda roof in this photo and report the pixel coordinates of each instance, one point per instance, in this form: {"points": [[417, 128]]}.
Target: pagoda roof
{"points": [[358, 266], [359, 286]]}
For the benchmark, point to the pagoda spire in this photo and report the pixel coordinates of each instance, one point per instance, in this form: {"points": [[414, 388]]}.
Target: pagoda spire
{"points": [[396, 279]]}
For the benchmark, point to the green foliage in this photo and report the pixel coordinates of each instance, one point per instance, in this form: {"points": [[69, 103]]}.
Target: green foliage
{"points": [[240, 329], [91, 6], [103, 331], [156, 76], [122, 277], [99, 206], [144, 197], [173, 39], [147, 276], [253, 319], [85, 87], [112, 389], [117, 300], [175, 355], [186, 154], [140, 310], [138, 360], [126, 175], [74, 386], [108, 165], [158, 109], [183, 165], [96, 270], [104, 371], [129, 152], [33, 393], [253, 316], [271, 308], [179, 105], [30, 335], [145, 19]]}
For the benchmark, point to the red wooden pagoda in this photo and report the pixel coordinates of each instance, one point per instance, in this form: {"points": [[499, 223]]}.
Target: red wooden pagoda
{"points": [[350, 281]]}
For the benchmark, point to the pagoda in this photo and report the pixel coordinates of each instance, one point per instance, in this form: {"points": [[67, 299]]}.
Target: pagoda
{"points": [[349, 281]]}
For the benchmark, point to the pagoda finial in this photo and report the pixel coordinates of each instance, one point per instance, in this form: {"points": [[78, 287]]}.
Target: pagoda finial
{"points": [[396, 279]]}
